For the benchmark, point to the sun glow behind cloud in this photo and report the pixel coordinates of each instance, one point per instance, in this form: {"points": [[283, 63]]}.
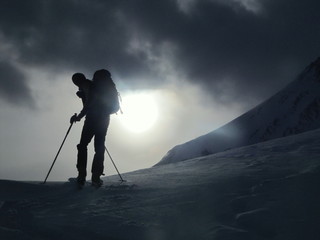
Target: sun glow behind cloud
{"points": [[140, 111]]}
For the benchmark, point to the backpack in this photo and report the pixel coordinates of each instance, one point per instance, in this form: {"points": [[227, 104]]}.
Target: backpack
{"points": [[113, 100], [107, 97]]}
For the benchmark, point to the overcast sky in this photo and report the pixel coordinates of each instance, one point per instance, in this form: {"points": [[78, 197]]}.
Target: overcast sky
{"points": [[205, 61]]}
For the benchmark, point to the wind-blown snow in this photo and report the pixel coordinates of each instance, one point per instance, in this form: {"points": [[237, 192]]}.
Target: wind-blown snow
{"points": [[293, 110], [264, 191]]}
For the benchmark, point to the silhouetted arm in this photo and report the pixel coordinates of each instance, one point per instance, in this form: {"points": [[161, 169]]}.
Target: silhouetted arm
{"points": [[86, 97]]}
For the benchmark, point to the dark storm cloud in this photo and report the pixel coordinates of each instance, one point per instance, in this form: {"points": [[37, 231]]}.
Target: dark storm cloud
{"points": [[233, 52], [13, 86]]}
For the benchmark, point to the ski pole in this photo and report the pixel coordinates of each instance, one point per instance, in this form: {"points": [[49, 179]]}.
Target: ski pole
{"points": [[114, 165], [58, 152]]}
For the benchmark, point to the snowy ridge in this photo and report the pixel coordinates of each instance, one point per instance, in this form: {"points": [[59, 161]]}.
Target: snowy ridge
{"points": [[263, 191], [293, 110]]}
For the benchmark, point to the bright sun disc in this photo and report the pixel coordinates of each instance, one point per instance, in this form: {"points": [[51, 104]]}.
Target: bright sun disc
{"points": [[140, 112]]}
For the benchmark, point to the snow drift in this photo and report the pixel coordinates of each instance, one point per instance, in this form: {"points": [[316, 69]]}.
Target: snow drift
{"points": [[293, 110], [264, 191]]}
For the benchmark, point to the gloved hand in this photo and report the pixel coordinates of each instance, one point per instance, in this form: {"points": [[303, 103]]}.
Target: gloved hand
{"points": [[74, 118]]}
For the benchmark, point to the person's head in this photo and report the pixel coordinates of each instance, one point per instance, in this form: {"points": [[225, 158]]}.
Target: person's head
{"points": [[78, 78], [101, 74]]}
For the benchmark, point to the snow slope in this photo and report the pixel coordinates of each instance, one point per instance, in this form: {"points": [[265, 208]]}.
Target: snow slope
{"points": [[264, 191], [293, 110]]}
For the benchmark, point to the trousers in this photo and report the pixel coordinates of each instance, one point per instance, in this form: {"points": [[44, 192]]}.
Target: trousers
{"points": [[93, 127]]}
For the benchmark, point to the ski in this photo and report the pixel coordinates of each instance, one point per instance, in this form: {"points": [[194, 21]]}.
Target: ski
{"points": [[75, 181]]}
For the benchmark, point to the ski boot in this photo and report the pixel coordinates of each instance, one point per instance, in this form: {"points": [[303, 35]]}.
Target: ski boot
{"points": [[81, 180], [96, 181]]}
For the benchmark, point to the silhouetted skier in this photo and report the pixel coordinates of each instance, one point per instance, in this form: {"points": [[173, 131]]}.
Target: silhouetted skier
{"points": [[97, 107]]}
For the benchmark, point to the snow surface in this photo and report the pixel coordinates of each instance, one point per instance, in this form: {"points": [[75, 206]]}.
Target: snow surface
{"points": [[293, 110], [264, 191]]}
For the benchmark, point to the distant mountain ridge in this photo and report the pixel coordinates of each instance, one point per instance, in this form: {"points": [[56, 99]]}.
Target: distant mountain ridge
{"points": [[295, 109]]}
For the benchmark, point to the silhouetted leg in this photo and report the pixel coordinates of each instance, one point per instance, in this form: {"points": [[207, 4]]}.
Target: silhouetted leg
{"points": [[99, 147], [86, 136]]}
